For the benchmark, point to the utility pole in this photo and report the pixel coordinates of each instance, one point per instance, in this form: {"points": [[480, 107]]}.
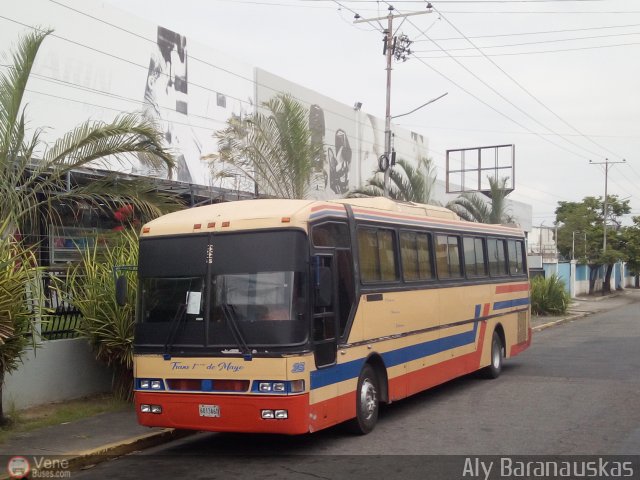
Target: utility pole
{"points": [[398, 48], [606, 164]]}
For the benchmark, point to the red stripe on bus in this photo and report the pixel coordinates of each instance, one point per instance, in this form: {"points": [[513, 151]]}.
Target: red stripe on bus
{"points": [[485, 310], [238, 413], [519, 287], [520, 347]]}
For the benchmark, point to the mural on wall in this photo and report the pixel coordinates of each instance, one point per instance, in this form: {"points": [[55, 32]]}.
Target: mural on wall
{"points": [[339, 163], [166, 102], [317, 127], [332, 166]]}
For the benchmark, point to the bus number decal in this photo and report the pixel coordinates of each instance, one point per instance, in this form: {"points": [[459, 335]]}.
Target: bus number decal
{"points": [[298, 367]]}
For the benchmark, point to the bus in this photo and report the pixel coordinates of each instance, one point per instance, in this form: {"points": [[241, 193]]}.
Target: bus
{"points": [[291, 316]]}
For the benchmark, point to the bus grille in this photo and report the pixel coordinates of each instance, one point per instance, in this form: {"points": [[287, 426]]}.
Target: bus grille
{"points": [[523, 331], [207, 385]]}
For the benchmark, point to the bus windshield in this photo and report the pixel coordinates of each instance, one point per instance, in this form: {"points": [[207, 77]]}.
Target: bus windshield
{"points": [[251, 303]]}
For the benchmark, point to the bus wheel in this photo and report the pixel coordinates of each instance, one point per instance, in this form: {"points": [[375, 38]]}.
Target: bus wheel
{"points": [[497, 356], [367, 402]]}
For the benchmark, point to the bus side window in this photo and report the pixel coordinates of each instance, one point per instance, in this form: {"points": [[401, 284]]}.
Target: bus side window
{"points": [[497, 260], [377, 255], [474, 257], [448, 256], [515, 257]]}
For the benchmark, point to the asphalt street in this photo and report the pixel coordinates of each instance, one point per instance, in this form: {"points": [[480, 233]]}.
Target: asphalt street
{"points": [[574, 392]]}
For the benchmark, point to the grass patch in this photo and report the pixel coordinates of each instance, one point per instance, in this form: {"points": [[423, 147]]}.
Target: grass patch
{"points": [[50, 414]]}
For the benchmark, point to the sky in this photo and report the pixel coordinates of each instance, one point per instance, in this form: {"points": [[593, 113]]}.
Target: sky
{"points": [[558, 79]]}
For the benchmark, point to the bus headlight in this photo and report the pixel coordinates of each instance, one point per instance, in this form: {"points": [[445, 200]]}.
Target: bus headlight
{"points": [[144, 408], [281, 414], [278, 386], [149, 384]]}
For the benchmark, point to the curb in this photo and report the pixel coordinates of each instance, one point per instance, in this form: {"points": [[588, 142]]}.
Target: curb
{"points": [[560, 321], [88, 458]]}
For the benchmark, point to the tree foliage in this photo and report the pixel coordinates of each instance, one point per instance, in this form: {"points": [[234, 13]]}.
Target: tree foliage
{"points": [[407, 182], [585, 218], [34, 175], [475, 208], [630, 239], [19, 305], [273, 149], [90, 287]]}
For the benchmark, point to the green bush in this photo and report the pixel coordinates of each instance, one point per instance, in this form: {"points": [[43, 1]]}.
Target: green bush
{"points": [[548, 296], [90, 287]]}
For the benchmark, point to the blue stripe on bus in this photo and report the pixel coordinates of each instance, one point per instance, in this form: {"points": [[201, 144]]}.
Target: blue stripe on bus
{"points": [[478, 310], [346, 371], [327, 213], [516, 302]]}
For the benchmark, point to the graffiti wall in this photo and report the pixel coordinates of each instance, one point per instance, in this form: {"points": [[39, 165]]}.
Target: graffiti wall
{"points": [[100, 62], [352, 140]]}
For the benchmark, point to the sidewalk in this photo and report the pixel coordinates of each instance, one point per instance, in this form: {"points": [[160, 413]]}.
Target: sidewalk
{"points": [[87, 441], [585, 306], [108, 435]]}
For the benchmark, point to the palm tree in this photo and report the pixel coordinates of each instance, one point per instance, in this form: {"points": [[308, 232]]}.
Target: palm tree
{"points": [[18, 307], [30, 188], [475, 208], [407, 183], [273, 149]]}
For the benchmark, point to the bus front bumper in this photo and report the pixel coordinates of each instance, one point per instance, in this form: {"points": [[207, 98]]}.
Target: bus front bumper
{"points": [[235, 413]]}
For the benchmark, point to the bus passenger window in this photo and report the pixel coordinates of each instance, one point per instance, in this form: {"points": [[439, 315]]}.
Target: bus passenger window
{"points": [[377, 255], [448, 256], [497, 259], [474, 257], [416, 256], [515, 257]]}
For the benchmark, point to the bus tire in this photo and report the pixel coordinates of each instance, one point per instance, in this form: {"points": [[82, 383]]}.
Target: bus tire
{"points": [[367, 402], [497, 357]]}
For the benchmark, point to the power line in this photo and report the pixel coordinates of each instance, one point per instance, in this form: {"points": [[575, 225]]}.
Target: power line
{"points": [[510, 132], [514, 34], [538, 52], [505, 99], [536, 99], [146, 68], [533, 43]]}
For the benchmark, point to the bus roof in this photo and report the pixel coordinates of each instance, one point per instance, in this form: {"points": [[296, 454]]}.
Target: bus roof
{"points": [[286, 213]]}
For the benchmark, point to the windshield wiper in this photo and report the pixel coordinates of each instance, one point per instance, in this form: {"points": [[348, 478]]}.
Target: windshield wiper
{"points": [[178, 318], [230, 316]]}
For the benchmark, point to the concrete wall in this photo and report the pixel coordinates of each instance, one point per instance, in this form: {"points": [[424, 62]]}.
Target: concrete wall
{"points": [[59, 370], [576, 277]]}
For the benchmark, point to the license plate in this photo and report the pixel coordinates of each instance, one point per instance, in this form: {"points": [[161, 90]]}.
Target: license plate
{"points": [[209, 411]]}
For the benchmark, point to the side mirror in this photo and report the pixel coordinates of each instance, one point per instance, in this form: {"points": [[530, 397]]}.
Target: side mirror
{"points": [[121, 291], [324, 287]]}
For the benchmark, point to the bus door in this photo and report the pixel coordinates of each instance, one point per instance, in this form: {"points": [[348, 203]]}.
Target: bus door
{"points": [[325, 331]]}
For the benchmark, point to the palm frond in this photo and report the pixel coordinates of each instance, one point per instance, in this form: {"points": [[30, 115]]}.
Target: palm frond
{"points": [[98, 143], [13, 82], [407, 182], [272, 147]]}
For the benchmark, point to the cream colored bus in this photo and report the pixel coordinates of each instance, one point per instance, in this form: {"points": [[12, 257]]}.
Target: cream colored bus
{"points": [[290, 316]]}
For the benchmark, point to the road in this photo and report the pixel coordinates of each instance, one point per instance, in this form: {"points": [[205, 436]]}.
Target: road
{"points": [[574, 392]]}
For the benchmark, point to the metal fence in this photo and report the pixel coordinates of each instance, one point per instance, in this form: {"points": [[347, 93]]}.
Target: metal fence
{"points": [[63, 319]]}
